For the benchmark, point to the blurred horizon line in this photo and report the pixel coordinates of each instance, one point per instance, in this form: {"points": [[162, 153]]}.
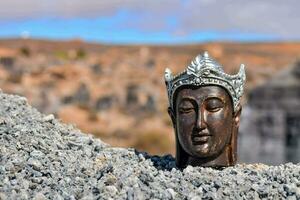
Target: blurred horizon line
{"points": [[125, 43]]}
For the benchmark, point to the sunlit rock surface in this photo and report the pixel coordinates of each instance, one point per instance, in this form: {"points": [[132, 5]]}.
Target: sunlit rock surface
{"points": [[42, 158]]}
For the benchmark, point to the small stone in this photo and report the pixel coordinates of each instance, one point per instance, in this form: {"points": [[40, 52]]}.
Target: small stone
{"points": [[2, 121], [111, 190], [23, 100], [49, 118], [171, 192], [34, 163], [2, 196], [196, 198], [39, 196], [37, 180], [291, 198], [188, 169]]}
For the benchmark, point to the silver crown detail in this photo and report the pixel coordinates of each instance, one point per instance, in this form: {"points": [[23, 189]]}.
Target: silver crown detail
{"points": [[202, 71]]}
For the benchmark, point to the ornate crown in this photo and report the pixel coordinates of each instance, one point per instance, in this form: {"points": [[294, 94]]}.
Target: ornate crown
{"points": [[204, 70]]}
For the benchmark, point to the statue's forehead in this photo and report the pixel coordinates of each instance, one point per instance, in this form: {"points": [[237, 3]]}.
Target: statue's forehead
{"points": [[203, 92]]}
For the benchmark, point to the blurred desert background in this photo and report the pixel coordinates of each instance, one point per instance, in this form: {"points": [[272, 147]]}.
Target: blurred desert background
{"points": [[118, 93], [113, 86]]}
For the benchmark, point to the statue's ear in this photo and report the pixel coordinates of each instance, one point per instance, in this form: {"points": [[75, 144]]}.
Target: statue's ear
{"points": [[233, 144], [172, 116], [237, 116]]}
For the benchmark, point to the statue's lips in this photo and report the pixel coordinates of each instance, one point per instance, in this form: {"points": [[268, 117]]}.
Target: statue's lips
{"points": [[202, 138]]}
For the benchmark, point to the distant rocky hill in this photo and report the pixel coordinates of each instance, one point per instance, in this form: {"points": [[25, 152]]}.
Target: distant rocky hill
{"points": [[118, 92], [41, 158]]}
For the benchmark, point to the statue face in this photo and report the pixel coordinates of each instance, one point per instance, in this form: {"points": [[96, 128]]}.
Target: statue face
{"points": [[204, 118]]}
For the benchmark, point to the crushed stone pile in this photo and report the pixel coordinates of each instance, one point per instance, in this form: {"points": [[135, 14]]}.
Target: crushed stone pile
{"points": [[41, 158]]}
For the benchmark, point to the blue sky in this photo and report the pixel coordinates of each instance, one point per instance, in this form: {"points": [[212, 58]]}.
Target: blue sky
{"points": [[154, 22]]}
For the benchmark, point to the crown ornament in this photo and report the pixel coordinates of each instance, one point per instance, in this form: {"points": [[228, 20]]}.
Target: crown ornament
{"points": [[203, 71]]}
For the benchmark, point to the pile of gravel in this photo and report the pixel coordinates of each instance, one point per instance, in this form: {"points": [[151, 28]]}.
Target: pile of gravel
{"points": [[41, 158]]}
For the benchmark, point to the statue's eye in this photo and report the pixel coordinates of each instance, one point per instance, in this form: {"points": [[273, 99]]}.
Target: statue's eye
{"points": [[186, 107], [214, 105]]}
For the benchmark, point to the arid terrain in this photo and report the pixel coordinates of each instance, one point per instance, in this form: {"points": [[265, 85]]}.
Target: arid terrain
{"points": [[118, 92]]}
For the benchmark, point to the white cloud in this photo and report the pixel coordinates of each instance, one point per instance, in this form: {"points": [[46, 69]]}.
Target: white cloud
{"points": [[276, 17], [14, 9]]}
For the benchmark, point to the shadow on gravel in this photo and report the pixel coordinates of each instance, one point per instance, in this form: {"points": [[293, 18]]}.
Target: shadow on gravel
{"points": [[166, 162]]}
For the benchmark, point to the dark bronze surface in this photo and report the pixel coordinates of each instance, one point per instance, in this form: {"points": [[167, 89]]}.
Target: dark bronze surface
{"points": [[206, 127]]}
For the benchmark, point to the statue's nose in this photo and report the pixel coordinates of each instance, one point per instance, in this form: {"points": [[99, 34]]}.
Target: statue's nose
{"points": [[200, 122]]}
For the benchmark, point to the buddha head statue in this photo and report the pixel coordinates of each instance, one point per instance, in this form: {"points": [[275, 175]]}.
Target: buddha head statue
{"points": [[204, 106]]}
